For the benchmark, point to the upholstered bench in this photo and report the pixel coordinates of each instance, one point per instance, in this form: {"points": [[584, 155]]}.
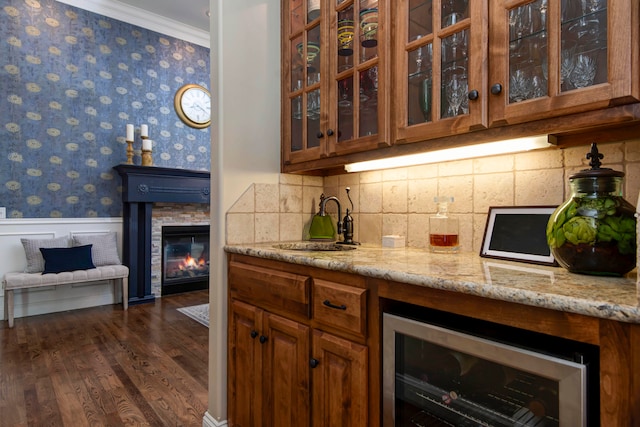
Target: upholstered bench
{"points": [[62, 261], [116, 274]]}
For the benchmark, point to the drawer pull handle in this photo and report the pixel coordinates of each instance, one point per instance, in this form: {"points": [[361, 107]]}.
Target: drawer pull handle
{"points": [[254, 334], [313, 363], [337, 307], [263, 339]]}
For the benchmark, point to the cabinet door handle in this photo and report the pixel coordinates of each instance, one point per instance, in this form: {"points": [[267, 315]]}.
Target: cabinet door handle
{"points": [[337, 307], [330, 132], [473, 95], [496, 89], [254, 334], [263, 339], [314, 363], [319, 134]]}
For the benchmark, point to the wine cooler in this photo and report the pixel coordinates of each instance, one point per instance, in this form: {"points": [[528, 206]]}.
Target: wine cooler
{"points": [[434, 375]]}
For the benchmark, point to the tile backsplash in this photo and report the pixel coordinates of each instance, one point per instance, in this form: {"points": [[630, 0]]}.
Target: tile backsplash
{"points": [[400, 201]]}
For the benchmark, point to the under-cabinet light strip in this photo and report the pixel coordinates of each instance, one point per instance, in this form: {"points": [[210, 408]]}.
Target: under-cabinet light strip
{"points": [[458, 153]]}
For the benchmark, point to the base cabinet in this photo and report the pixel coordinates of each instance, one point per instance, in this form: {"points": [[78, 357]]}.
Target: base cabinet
{"points": [[284, 368]]}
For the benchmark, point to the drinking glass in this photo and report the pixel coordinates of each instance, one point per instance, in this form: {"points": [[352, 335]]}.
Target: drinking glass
{"points": [[456, 90], [584, 71]]}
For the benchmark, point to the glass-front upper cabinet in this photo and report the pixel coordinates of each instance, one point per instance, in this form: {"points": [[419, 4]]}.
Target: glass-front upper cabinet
{"points": [[333, 90], [556, 57], [440, 63]]}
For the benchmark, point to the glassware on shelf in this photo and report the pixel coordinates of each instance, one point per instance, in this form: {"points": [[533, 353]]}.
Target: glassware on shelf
{"points": [[345, 37], [313, 49], [454, 11], [424, 97], [313, 10], [369, 27], [443, 229], [345, 89], [455, 88], [584, 70]]}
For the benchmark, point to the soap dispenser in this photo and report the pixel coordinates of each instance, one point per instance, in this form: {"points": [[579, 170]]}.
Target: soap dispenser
{"points": [[443, 229]]}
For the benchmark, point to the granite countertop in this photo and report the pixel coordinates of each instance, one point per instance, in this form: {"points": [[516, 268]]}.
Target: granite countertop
{"points": [[541, 286]]}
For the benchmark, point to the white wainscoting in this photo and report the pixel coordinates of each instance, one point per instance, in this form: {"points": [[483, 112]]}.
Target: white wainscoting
{"points": [[55, 298]]}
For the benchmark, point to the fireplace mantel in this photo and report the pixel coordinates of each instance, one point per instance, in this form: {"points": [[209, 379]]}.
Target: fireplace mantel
{"points": [[141, 187]]}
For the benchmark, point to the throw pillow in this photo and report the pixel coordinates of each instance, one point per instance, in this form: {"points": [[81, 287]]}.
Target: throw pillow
{"points": [[105, 247], [35, 262], [57, 260]]}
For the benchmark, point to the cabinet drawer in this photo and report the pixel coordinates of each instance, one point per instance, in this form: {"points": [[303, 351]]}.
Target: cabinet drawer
{"points": [[269, 288], [340, 306]]}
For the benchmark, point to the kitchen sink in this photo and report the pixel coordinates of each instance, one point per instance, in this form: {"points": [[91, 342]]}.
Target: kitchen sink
{"points": [[314, 246]]}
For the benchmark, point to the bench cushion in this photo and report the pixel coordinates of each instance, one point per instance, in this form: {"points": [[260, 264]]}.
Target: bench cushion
{"points": [[35, 280]]}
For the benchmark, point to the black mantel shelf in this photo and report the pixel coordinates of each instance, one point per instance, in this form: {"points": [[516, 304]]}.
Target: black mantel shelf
{"points": [[141, 187]]}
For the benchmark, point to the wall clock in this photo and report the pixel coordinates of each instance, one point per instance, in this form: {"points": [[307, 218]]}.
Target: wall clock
{"points": [[193, 105]]}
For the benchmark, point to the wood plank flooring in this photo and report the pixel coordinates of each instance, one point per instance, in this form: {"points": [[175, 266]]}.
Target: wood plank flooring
{"points": [[102, 366]]}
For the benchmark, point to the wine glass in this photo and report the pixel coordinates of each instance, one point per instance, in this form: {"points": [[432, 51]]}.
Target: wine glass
{"points": [[584, 71], [456, 89]]}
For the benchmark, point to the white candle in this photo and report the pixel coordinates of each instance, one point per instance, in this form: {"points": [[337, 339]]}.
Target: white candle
{"points": [[146, 144], [129, 132], [144, 130]]}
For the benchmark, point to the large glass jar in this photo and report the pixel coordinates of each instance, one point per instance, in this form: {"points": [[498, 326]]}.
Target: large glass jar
{"points": [[594, 232]]}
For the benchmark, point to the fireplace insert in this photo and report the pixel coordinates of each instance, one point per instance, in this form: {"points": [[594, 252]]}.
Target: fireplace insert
{"points": [[185, 258], [441, 369]]}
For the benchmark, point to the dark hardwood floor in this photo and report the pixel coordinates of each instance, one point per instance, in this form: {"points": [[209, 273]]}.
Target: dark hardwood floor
{"points": [[102, 366]]}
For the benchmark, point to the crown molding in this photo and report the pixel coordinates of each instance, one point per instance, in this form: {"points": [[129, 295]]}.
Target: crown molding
{"points": [[143, 18]]}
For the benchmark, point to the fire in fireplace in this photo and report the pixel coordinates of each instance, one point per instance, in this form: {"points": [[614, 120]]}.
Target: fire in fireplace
{"points": [[185, 258]]}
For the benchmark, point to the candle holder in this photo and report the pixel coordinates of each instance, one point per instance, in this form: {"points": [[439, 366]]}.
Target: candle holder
{"points": [[129, 152], [147, 159]]}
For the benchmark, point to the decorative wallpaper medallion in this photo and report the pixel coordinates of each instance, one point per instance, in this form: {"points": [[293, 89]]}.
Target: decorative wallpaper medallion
{"points": [[70, 81]]}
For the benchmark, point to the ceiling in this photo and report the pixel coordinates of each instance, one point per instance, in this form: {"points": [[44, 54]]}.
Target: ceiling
{"points": [[188, 12]]}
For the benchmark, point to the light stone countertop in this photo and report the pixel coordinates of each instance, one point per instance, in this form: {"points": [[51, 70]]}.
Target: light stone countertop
{"points": [[541, 286]]}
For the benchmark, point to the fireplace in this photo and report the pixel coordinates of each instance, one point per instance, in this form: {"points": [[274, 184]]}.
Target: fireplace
{"points": [[185, 258]]}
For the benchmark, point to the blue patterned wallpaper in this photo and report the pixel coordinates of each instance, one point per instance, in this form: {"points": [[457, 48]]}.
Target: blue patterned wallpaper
{"points": [[70, 81]]}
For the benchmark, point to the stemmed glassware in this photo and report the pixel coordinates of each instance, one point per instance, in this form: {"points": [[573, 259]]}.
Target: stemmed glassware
{"points": [[456, 90]]}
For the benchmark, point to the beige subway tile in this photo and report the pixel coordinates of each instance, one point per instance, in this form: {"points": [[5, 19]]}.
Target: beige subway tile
{"points": [[370, 228], [465, 231], [370, 198], [290, 198], [395, 174], [370, 177], [420, 195], [267, 227], [631, 188], [246, 202], [613, 152], [461, 189], [394, 224], [267, 198], [422, 171], [492, 190], [313, 181], [632, 150], [539, 159], [240, 228], [457, 167], [394, 197], [291, 179], [291, 226], [493, 164], [311, 199], [537, 187], [479, 226], [331, 181], [348, 180], [418, 230]]}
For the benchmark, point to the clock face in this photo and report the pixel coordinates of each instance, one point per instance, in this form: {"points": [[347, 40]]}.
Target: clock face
{"points": [[193, 105]]}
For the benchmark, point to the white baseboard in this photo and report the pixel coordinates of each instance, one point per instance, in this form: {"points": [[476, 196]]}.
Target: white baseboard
{"points": [[209, 421]]}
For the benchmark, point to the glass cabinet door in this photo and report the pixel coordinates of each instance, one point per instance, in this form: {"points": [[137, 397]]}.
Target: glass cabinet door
{"points": [[439, 59], [302, 88], [560, 57], [356, 46], [331, 86]]}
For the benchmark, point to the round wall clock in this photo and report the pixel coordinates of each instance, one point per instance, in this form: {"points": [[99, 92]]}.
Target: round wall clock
{"points": [[193, 105]]}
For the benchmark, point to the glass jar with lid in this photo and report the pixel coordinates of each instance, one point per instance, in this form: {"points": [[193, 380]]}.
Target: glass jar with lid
{"points": [[594, 232]]}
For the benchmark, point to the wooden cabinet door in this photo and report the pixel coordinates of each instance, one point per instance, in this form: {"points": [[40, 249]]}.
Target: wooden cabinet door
{"points": [[550, 58], [440, 68], [334, 80], [286, 372], [244, 365], [340, 382]]}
